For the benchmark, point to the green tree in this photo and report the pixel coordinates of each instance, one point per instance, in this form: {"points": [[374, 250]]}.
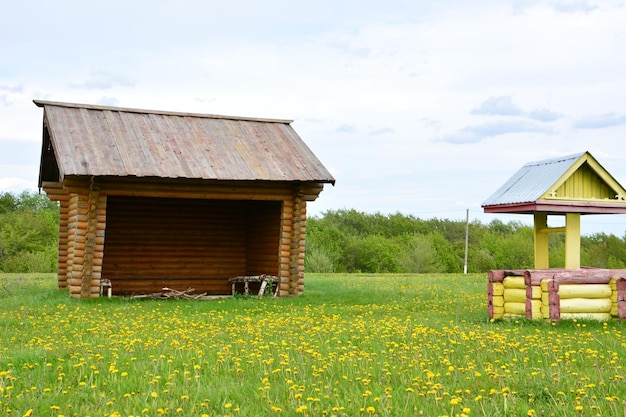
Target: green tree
{"points": [[28, 233]]}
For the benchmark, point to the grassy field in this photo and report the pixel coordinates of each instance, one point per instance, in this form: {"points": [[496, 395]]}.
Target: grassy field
{"points": [[352, 345]]}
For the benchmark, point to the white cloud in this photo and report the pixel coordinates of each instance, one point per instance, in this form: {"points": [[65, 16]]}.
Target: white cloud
{"points": [[544, 115], [103, 80], [502, 106], [474, 134], [600, 121]]}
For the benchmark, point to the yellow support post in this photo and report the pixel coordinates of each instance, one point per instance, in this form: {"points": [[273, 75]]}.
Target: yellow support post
{"points": [[542, 256], [572, 240]]}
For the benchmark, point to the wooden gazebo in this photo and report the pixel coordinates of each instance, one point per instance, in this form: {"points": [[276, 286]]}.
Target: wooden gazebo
{"points": [[568, 186], [154, 199]]}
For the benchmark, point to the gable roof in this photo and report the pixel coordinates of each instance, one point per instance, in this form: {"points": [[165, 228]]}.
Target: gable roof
{"points": [[89, 140], [569, 184]]}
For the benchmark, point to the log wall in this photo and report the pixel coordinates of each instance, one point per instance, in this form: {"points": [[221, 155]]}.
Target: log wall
{"points": [[152, 243], [147, 236], [262, 237]]}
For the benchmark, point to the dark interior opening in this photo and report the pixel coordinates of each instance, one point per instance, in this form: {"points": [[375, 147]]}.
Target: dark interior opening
{"points": [[153, 243]]}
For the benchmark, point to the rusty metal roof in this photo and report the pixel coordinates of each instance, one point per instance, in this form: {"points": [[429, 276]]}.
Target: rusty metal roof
{"points": [[532, 180], [93, 140]]}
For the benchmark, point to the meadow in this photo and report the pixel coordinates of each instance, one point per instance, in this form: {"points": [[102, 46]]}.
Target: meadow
{"points": [[352, 345]]}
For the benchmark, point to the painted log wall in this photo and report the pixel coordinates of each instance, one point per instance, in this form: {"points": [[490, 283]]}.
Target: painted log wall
{"points": [[555, 294]]}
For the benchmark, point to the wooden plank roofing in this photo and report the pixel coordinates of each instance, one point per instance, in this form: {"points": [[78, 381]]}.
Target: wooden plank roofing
{"points": [[570, 184], [90, 140]]}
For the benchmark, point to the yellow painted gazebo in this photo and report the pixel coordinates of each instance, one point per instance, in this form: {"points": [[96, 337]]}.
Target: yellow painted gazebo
{"points": [[568, 186]]}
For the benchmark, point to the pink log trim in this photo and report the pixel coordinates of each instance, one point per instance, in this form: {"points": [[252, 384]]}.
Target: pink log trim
{"points": [[495, 276], [573, 276], [529, 305], [490, 298], [498, 275], [554, 301]]}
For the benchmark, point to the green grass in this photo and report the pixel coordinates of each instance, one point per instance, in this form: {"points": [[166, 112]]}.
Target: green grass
{"points": [[352, 345]]}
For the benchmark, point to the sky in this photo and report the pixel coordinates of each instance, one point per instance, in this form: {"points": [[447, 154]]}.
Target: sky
{"points": [[420, 107]]}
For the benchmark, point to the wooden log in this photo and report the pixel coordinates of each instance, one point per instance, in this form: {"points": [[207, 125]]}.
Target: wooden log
{"points": [[533, 309], [551, 287], [584, 291], [518, 309], [497, 288], [498, 301], [573, 276], [514, 295], [585, 305], [514, 282], [495, 276], [490, 302], [586, 316], [620, 286], [533, 292]]}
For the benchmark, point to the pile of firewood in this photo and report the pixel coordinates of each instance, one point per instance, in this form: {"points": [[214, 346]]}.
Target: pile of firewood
{"points": [[171, 294]]}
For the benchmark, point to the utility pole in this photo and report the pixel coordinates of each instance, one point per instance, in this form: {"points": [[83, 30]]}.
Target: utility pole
{"points": [[466, 240]]}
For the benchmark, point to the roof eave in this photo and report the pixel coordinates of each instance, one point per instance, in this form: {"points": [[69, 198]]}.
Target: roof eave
{"points": [[558, 207]]}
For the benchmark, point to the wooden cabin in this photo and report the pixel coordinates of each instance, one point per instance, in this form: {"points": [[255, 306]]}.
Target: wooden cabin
{"points": [[153, 199]]}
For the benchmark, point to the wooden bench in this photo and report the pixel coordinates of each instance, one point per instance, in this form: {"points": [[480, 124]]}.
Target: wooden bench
{"points": [[247, 279]]}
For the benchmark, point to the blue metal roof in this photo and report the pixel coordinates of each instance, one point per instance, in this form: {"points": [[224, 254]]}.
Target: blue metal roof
{"points": [[532, 181]]}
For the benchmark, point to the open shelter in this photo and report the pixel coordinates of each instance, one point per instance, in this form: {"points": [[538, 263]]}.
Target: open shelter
{"points": [[153, 199]]}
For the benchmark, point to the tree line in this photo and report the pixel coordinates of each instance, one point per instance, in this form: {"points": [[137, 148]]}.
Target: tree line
{"points": [[338, 241], [354, 241]]}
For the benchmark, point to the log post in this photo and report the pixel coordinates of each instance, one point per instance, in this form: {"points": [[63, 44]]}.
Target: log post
{"points": [[572, 240], [285, 247], [495, 294], [90, 243], [62, 251], [72, 221], [542, 256], [554, 301], [296, 252]]}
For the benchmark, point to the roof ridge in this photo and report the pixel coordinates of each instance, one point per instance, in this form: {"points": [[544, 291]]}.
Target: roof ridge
{"points": [[43, 103], [574, 156]]}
